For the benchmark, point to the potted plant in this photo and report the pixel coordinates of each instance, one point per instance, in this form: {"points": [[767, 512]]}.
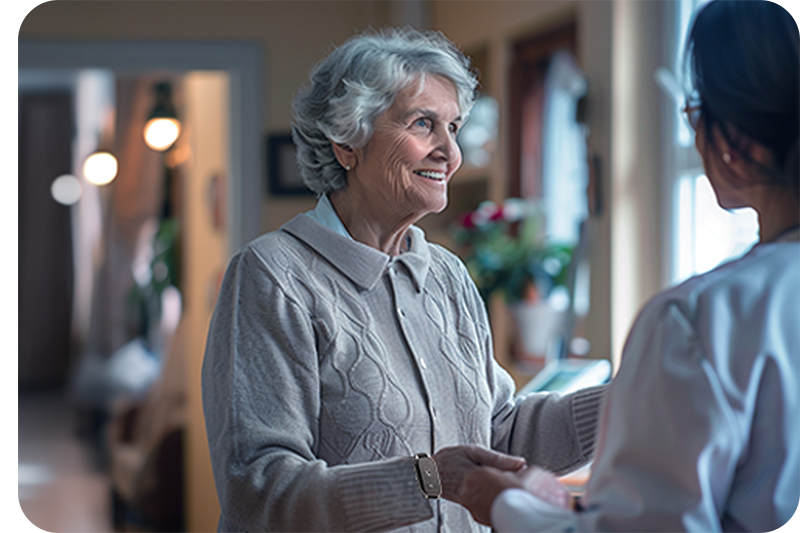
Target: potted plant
{"points": [[506, 252]]}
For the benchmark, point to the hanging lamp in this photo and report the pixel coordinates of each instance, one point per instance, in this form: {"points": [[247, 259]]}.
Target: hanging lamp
{"points": [[163, 127]]}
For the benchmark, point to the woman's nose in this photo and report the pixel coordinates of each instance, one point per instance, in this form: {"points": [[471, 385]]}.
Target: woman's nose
{"points": [[447, 148]]}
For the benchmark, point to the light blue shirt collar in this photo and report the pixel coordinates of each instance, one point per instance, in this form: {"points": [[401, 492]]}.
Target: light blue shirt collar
{"points": [[325, 214]]}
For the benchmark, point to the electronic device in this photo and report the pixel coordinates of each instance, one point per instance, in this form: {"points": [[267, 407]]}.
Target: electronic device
{"points": [[568, 375], [562, 373]]}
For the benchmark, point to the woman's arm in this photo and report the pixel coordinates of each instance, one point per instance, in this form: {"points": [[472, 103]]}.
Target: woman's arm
{"points": [[261, 398], [553, 431]]}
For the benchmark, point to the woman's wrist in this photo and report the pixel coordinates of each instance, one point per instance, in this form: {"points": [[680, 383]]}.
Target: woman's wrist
{"points": [[427, 476]]}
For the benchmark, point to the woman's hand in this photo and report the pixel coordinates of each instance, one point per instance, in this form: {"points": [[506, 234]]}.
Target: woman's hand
{"points": [[455, 462], [480, 487]]}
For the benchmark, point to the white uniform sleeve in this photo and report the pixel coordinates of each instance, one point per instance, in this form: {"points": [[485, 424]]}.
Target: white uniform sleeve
{"points": [[518, 511], [668, 442]]}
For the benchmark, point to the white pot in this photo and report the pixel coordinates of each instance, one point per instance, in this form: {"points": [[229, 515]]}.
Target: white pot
{"points": [[538, 324]]}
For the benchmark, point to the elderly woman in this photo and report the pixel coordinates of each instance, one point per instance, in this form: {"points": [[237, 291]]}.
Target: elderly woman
{"points": [[345, 349]]}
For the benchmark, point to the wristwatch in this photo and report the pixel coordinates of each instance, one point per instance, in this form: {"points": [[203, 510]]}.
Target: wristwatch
{"points": [[427, 476]]}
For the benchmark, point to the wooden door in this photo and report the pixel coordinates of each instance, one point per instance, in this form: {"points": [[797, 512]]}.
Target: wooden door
{"points": [[45, 240]]}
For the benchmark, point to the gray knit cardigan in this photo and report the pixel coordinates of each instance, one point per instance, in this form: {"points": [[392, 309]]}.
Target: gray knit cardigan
{"points": [[329, 364]]}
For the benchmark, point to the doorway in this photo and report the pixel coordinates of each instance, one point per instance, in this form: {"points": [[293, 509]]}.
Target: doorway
{"points": [[45, 254], [241, 64]]}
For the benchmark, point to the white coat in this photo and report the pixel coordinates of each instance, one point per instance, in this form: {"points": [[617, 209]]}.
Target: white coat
{"points": [[700, 430]]}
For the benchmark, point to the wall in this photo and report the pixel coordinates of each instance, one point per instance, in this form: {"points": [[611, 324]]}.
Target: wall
{"points": [[496, 26], [294, 36], [636, 187], [474, 25], [619, 48], [204, 260]]}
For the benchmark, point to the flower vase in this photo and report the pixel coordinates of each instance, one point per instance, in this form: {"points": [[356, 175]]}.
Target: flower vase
{"points": [[537, 325]]}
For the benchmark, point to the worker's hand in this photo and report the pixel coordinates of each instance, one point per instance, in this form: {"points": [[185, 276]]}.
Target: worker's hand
{"points": [[455, 462], [546, 486]]}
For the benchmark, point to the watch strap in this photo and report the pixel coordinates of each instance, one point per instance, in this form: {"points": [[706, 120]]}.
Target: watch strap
{"points": [[427, 476]]}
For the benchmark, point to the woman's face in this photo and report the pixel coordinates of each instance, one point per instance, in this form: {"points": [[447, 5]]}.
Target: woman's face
{"points": [[406, 166]]}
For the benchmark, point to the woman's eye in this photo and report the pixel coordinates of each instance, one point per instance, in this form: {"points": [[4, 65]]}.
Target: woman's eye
{"points": [[422, 123]]}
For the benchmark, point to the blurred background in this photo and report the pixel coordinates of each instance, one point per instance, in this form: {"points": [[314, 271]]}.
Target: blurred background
{"points": [[581, 195]]}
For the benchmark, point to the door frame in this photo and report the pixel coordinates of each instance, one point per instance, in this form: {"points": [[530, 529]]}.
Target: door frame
{"points": [[242, 61]]}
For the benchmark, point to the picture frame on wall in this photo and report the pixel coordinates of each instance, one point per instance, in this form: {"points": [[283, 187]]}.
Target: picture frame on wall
{"points": [[283, 176]]}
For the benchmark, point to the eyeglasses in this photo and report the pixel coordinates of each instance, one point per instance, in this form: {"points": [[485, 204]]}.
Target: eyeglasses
{"points": [[692, 112]]}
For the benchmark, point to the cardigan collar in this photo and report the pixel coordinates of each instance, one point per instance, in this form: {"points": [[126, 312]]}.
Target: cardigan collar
{"points": [[362, 264]]}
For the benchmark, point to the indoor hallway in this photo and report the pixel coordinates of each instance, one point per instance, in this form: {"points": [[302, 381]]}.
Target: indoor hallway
{"points": [[62, 487]]}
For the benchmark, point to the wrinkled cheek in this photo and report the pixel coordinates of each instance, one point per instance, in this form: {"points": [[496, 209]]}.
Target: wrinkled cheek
{"points": [[396, 169]]}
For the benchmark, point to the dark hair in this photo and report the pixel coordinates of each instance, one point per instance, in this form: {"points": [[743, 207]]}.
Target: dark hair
{"points": [[744, 66]]}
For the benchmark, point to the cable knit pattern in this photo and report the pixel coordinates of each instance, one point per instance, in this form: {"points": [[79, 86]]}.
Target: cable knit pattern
{"points": [[329, 364]]}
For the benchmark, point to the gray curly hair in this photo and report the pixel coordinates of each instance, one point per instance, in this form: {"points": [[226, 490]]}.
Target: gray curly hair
{"points": [[356, 83]]}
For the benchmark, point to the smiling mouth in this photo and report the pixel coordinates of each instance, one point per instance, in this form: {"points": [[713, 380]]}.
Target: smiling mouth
{"points": [[431, 175]]}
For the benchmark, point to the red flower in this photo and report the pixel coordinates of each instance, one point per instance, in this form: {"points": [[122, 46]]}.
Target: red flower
{"points": [[497, 215], [467, 220]]}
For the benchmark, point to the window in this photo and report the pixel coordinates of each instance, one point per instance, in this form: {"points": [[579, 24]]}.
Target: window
{"points": [[703, 235], [707, 234]]}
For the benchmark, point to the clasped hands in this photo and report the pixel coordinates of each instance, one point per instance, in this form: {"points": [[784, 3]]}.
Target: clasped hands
{"points": [[473, 477]]}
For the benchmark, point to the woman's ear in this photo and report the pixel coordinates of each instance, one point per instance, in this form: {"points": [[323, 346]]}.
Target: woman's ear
{"points": [[745, 148], [345, 155], [761, 154]]}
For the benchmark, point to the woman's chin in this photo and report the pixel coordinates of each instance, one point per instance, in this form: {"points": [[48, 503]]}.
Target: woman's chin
{"points": [[731, 203], [439, 205], [429, 210], [728, 197]]}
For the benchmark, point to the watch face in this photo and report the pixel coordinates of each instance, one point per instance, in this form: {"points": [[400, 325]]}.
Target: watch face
{"points": [[429, 476]]}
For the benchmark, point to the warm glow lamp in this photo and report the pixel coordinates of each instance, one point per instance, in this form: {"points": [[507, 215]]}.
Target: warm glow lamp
{"points": [[66, 189], [163, 127], [100, 168]]}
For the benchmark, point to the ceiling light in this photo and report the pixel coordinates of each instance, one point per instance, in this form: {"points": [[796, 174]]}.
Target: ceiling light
{"points": [[100, 168], [66, 189], [163, 127]]}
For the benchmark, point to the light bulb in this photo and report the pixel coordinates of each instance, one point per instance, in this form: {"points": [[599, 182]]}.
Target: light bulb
{"points": [[66, 189], [100, 168], [161, 133]]}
